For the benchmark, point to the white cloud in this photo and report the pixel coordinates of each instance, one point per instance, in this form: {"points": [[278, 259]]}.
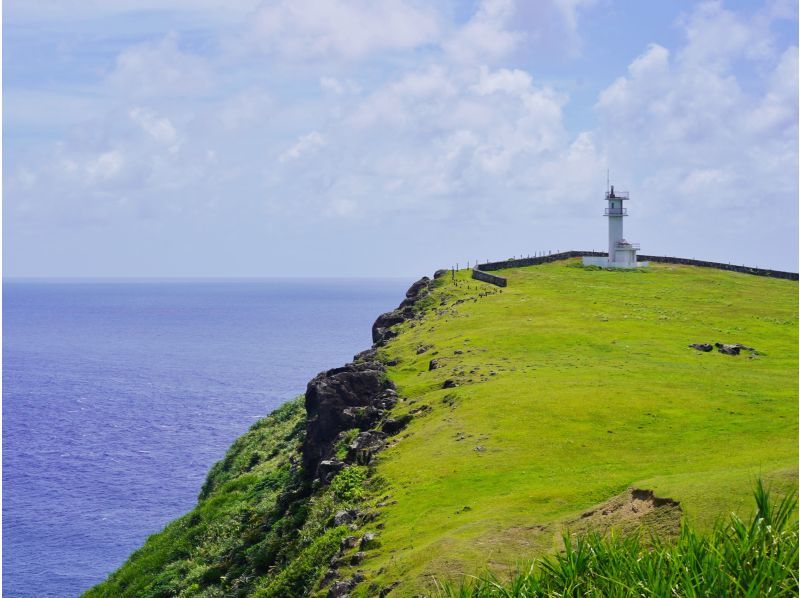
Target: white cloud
{"points": [[485, 38], [303, 146], [504, 80], [105, 166], [244, 109], [338, 86], [160, 69], [701, 145], [157, 127], [348, 29], [336, 112]]}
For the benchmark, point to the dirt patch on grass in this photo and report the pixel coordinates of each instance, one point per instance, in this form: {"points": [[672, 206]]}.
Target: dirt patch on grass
{"points": [[632, 511]]}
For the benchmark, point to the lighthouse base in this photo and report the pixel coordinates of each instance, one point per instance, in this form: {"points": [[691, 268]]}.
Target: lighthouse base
{"points": [[603, 262]]}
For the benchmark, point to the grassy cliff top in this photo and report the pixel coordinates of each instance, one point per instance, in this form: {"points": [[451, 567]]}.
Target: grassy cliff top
{"points": [[574, 385], [569, 400]]}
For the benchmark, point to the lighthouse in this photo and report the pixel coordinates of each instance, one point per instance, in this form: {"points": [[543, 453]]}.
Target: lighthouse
{"points": [[621, 253]]}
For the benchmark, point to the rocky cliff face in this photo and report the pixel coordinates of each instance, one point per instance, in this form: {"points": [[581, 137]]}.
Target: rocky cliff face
{"points": [[357, 396], [381, 329]]}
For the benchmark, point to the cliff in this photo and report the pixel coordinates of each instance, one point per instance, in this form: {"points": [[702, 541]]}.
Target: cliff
{"points": [[486, 421]]}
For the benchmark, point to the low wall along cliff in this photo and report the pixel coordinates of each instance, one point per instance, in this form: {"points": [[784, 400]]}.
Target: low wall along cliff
{"points": [[480, 271]]}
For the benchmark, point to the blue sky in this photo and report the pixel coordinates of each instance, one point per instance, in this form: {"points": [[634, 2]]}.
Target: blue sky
{"points": [[390, 138]]}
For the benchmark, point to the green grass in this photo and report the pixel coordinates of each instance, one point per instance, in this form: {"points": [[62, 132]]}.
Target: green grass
{"points": [[219, 542], [246, 536], [758, 558], [573, 385], [594, 390]]}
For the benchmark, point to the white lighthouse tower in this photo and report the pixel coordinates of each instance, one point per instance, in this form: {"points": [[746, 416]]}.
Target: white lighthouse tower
{"points": [[621, 253]]}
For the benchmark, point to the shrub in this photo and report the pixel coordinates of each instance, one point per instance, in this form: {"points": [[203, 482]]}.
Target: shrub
{"points": [[348, 485]]}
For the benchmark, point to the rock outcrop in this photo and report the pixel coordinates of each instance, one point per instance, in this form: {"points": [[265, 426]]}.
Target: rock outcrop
{"points": [[381, 329], [357, 395], [704, 347]]}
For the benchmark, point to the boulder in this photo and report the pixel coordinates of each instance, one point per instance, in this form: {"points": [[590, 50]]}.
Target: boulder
{"points": [[345, 517], [705, 347], [348, 542], [434, 363], [341, 589], [394, 425], [364, 446], [728, 349], [369, 540], [449, 383], [440, 273], [419, 288], [744, 348], [380, 328], [357, 558]]}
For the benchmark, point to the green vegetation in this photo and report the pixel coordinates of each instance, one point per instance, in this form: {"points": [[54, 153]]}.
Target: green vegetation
{"points": [[736, 559], [574, 385], [253, 532], [571, 392]]}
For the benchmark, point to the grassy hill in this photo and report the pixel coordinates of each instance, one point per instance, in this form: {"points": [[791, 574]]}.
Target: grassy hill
{"points": [[575, 384], [566, 389]]}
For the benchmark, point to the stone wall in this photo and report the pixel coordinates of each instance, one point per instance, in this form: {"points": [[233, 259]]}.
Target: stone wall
{"points": [[731, 267], [479, 272], [490, 278]]}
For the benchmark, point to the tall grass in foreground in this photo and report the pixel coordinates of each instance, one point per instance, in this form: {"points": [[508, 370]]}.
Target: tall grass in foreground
{"points": [[758, 558]]}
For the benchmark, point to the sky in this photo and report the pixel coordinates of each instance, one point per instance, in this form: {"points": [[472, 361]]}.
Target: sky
{"points": [[200, 138]]}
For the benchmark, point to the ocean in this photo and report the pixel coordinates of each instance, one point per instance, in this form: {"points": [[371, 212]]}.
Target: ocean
{"points": [[119, 396]]}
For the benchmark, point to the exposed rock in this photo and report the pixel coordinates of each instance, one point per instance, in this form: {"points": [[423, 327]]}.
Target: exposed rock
{"points": [[364, 446], [705, 347], [386, 589], [330, 575], [341, 589], [353, 396], [381, 328], [419, 289], [434, 363], [345, 517], [440, 273], [728, 349], [422, 348], [449, 383], [348, 542], [368, 355], [392, 362], [369, 540], [394, 425], [357, 558], [386, 400], [328, 468]]}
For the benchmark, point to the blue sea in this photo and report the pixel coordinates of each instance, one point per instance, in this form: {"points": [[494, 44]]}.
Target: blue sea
{"points": [[119, 396]]}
